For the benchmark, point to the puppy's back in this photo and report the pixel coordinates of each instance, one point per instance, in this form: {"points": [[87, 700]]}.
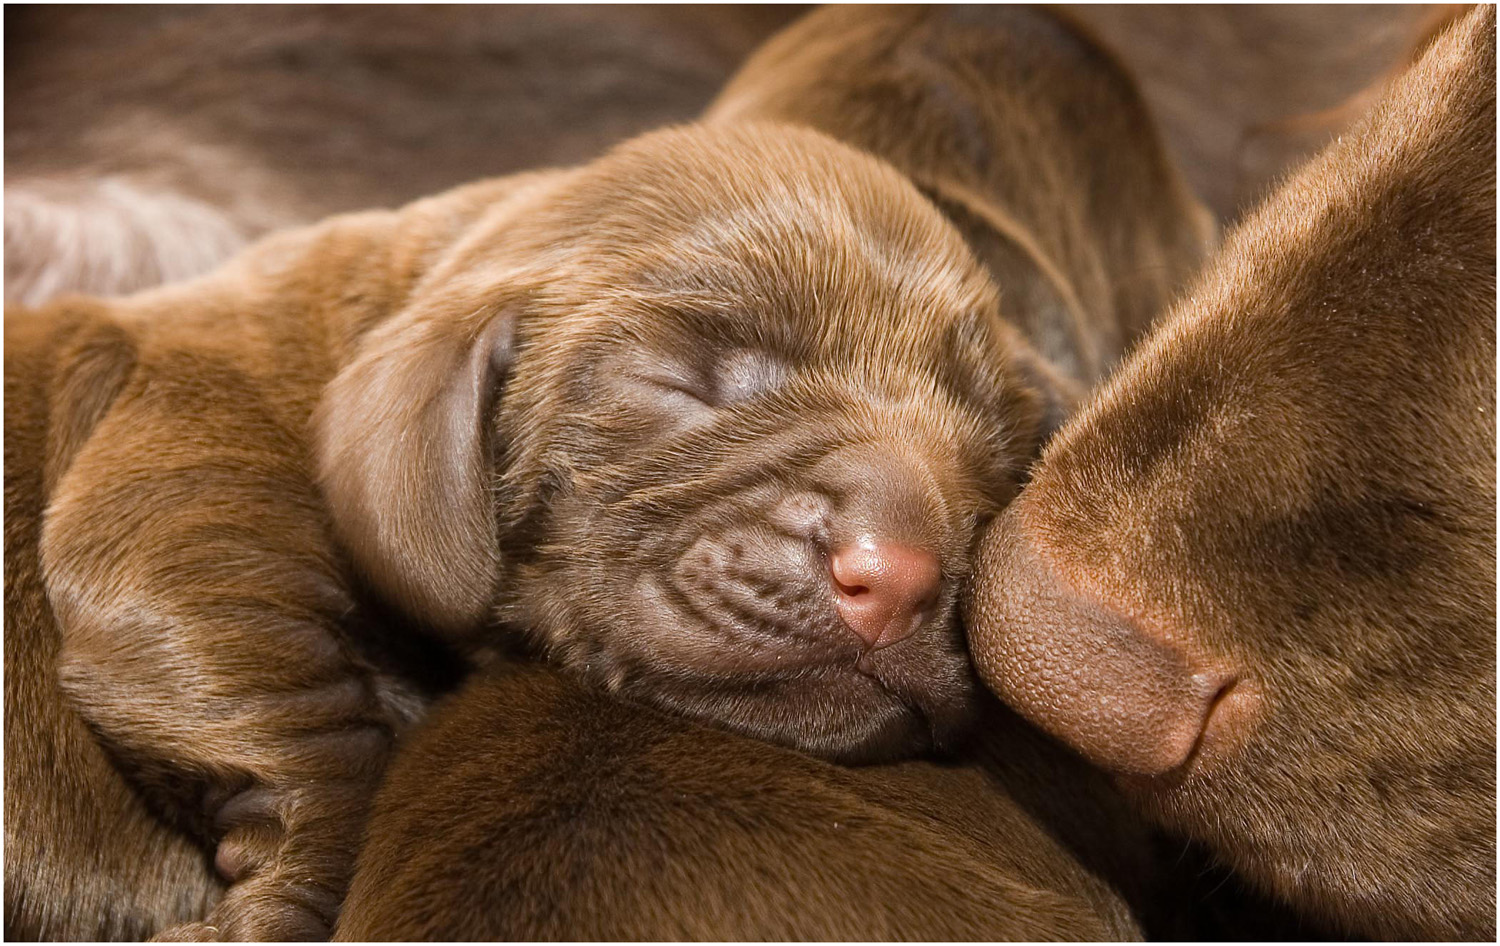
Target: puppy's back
{"points": [[531, 808]]}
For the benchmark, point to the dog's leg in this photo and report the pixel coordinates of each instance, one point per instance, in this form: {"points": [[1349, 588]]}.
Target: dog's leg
{"points": [[201, 607]]}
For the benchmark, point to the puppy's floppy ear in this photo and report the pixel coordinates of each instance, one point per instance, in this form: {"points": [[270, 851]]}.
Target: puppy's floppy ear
{"points": [[404, 458]]}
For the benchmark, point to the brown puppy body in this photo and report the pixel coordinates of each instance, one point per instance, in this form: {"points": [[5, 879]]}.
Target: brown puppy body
{"points": [[1258, 571], [210, 630], [84, 859], [677, 417], [180, 133], [186, 599], [531, 808]]}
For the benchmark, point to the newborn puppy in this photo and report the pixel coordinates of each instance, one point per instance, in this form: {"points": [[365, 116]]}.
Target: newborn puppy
{"points": [[713, 421], [599, 820], [770, 464], [1256, 576], [530, 808]]}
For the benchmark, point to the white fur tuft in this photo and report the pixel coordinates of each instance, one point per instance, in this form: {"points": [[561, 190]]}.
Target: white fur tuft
{"points": [[107, 236]]}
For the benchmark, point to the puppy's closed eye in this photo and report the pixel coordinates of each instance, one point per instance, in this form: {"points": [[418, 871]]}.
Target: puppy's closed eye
{"points": [[684, 387], [675, 386]]}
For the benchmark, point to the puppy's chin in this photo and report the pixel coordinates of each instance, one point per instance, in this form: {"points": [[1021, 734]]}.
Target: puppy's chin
{"points": [[836, 713], [841, 703]]}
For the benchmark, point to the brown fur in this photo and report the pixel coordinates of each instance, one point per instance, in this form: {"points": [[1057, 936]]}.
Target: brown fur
{"points": [[529, 808], [147, 144], [660, 531], [1245, 92], [510, 408], [587, 819], [1026, 133], [84, 858], [208, 626], [1272, 534]]}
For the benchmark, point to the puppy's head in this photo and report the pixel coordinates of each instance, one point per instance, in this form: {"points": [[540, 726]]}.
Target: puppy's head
{"points": [[716, 421]]}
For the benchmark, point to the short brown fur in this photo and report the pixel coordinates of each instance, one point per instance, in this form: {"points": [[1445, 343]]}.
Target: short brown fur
{"points": [[1290, 489], [224, 541], [529, 808]]}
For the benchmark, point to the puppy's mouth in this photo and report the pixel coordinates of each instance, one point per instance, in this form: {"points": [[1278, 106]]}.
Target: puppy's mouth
{"points": [[746, 631]]}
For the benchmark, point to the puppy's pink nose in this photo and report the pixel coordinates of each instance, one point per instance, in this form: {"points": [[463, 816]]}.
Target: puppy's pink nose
{"points": [[884, 591]]}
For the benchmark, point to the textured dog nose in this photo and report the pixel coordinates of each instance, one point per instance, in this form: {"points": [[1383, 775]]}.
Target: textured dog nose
{"points": [[1127, 699], [883, 590]]}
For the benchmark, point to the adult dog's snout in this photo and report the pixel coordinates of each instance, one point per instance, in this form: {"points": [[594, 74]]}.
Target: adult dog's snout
{"points": [[1127, 697]]}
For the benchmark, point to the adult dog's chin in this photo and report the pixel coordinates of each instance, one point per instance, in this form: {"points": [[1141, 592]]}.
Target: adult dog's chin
{"points": [[839, 714]]}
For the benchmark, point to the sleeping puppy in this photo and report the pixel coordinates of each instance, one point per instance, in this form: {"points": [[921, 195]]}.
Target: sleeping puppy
{"points": [[713, 421], [1256, 575], [531, 808]]}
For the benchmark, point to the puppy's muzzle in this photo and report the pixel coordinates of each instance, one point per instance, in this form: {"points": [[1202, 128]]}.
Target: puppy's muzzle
{"points": [[859, 548]]}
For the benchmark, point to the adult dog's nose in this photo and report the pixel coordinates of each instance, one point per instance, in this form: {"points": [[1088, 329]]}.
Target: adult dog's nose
{"points": [[884, 591], [1127, 698]]}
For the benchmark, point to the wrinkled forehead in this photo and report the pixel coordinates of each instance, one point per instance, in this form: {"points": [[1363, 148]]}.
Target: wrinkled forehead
{"points": [[781, 236]]}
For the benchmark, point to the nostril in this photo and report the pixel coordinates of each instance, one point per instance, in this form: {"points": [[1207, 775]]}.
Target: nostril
{"points": [[852, 591]]}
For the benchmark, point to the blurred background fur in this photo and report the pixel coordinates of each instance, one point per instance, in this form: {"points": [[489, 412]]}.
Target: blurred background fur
{"points": [[146, 144]]}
